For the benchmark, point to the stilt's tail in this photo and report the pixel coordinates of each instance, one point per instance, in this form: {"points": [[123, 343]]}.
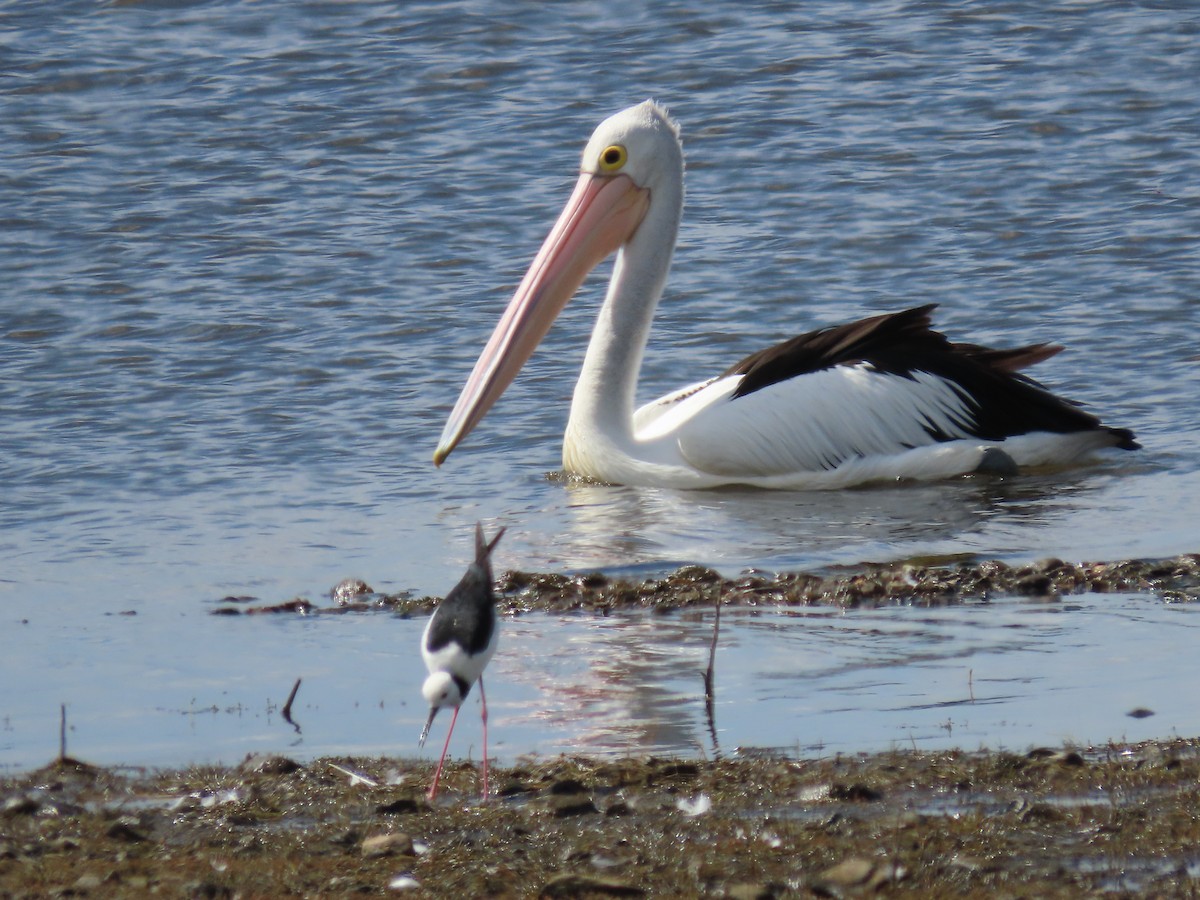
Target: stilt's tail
{"points": [[483, 550]]}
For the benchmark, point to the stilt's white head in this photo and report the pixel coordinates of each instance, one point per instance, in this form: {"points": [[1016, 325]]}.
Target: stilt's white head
{"points": [[440, 690]]}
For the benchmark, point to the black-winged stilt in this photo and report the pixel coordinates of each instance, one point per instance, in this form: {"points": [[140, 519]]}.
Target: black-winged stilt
{"points": [[458, 643]]}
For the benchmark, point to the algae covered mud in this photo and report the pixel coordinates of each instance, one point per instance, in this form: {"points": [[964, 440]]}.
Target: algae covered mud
{"points": [[927, 581], [1047, 823]]}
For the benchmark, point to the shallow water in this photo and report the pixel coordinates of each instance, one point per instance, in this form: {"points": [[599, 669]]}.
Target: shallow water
{"points": [[1004, 674], [251, 250]]}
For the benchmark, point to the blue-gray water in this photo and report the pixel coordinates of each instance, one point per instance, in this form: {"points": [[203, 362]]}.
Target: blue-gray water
{"points": [[250, 251]]}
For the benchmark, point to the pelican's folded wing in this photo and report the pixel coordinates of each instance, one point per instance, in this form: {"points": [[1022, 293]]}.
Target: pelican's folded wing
{"points": [[818, 421]]}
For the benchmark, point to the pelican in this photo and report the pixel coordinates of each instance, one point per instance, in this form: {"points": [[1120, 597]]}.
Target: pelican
{"points": [[882, 398]]}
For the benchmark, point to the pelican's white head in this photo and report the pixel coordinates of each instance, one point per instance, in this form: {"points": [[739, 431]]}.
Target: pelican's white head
{"points": [[641, 142], [632, 162]]}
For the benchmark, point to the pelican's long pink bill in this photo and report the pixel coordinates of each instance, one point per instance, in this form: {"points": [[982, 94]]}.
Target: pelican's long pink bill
{"points": [[603, 213]]}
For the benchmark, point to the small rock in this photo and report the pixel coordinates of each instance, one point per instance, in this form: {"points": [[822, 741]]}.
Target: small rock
{"points": [[852, 871], [572, 885], [751, 892], [349, 589], [396, 843], [1042, 812], [403, 882], [72, 767], [299, 605], [603, 861], [61, 808], [498, 881], [123, 830], [568, 786], [89, 881], [677, 770], [514, 787], [399, 807], [695, 806], [859, 872], [345, 885], [1035, 585], [207, 890], [1053, 754], [572, 805], [857, 792], [708, 872], [20, 806], [269, 764]]}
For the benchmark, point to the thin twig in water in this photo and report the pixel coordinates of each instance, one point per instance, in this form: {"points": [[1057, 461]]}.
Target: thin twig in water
{"points": [[62, 732], [710, 678], [287, 707], [709, 691]]}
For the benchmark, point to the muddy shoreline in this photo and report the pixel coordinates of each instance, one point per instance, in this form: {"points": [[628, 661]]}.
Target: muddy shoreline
{"points": [[1055, 822]]}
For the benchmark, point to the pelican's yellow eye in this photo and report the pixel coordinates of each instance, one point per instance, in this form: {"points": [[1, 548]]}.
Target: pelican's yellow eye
{"points": [[613, 158]]}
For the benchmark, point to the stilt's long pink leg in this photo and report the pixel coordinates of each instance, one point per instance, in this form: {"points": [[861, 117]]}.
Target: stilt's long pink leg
{"points": [[483, 700], [438, 774]]}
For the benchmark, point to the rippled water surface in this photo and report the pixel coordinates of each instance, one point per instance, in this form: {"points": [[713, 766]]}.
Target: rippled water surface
{"points": [[250, 251]]}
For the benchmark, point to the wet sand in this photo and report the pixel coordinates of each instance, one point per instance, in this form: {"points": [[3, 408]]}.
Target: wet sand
{"points": [[1054, 822]]}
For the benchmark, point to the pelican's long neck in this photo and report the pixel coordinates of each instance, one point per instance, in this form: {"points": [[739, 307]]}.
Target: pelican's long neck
{"points": [[602, 409]]}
